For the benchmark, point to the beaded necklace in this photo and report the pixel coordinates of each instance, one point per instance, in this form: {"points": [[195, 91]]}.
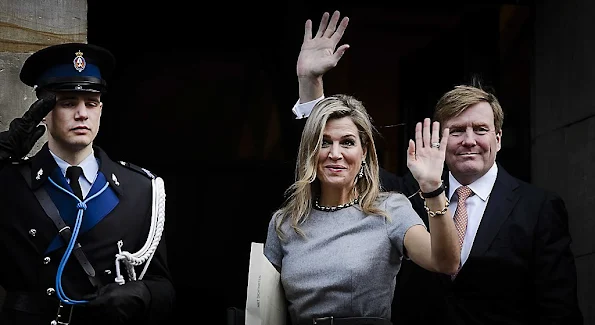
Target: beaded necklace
{"points": [[335, 207]]}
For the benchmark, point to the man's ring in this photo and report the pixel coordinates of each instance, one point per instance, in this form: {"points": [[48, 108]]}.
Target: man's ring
{"points": [[435, 145]]}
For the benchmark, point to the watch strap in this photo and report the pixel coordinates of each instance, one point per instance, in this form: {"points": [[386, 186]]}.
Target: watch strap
{"points": [[434, 193]]}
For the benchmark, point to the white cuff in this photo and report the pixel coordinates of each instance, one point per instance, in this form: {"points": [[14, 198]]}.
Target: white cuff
{"points": [[303, 110]]}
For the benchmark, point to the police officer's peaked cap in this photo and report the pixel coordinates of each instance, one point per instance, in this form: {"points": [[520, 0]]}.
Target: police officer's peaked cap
{"points": [[69, 67]]}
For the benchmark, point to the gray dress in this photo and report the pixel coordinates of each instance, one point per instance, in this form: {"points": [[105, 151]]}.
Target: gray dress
{"points": [[348, 263]]}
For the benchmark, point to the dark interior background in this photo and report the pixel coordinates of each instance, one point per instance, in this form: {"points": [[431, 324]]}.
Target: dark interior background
{"points": [[202, 96]]}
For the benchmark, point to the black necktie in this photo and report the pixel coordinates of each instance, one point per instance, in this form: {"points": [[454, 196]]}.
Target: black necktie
{"points": [[73, 173]]}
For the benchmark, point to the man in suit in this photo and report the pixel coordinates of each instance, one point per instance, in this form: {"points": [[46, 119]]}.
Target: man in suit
{"points": [[516, 263], [80, 234]]}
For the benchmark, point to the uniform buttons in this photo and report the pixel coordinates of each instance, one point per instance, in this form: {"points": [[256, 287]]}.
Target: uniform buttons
{"points": [[32, 232], [46, 260], [50, 291]]}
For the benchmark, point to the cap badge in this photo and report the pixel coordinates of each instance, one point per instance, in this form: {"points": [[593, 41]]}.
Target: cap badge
{"points": [[79, 62]]}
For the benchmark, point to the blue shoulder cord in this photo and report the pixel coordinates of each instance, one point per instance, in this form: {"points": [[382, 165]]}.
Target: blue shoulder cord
{"points": [[81, 206]]}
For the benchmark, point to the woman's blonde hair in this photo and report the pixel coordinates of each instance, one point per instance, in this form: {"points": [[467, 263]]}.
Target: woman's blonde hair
{"points": [[301, 194]]}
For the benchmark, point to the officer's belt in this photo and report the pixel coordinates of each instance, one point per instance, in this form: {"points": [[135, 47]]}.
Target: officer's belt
{"points": [[64, 230]]}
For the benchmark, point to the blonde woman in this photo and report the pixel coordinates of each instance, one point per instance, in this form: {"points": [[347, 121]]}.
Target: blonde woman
{"points": [[338, 241]]}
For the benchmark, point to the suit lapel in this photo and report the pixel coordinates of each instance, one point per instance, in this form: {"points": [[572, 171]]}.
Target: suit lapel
{"points": [[100, 206], [502, 199]]}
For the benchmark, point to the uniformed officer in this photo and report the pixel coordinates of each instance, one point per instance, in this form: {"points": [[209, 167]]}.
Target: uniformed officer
{"points": [[80, 234]]}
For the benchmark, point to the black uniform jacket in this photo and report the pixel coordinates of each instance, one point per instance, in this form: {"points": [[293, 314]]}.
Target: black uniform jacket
{"points": [[121, 213]]}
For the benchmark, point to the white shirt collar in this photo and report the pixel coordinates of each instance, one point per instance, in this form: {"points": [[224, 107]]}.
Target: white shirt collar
{"points": [[482, 187], [89, 165]]}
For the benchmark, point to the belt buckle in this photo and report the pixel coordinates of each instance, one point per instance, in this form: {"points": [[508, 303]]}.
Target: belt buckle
{"points": [[61, 315], [316, 320]]}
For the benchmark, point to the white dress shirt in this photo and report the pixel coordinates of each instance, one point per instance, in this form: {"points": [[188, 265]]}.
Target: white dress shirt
{"points": [[90, 168], [476, 205], [303, 110]]}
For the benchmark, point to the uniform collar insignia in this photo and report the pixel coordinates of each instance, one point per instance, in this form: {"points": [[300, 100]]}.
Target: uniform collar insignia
{"points": [[115, 180], [42, 164], [110, 169], [39, 173]]}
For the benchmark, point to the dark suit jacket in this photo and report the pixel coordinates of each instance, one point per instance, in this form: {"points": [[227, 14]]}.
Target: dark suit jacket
{"points": [[26, 233], [520, 269]]}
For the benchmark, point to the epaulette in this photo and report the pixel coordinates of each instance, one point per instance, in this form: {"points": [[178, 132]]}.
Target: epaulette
{"points": [[138, 169], [22, 161]]}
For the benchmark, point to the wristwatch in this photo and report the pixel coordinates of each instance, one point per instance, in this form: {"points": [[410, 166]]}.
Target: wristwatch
{"points": [[434, 193]]}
